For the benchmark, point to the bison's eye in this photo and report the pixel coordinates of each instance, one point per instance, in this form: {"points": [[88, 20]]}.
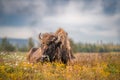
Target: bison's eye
{"points": [[43, 43]]}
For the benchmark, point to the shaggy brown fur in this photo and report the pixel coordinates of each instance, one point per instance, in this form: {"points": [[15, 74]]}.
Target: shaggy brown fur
{"points": [[54, 47]]}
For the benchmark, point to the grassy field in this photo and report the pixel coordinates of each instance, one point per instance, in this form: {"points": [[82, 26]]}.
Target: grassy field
{"points": [[87, 66]]}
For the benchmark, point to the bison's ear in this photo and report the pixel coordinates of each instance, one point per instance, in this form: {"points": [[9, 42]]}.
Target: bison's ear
{"points": [[57, 39]]}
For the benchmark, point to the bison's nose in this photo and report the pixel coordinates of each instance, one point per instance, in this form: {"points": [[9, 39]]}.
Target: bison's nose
{"points": [[41, 59], [44, 58]]}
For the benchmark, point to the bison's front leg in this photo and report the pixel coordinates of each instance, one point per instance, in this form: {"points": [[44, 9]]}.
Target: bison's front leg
{"points": [[34, 55]]}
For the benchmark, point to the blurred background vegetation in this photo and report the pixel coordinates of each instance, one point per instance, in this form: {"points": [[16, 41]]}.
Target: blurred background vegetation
{"points": [[6, 46]]}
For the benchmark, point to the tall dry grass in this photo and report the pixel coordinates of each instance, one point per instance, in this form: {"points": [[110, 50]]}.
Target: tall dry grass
{"points": [[86, 66]]}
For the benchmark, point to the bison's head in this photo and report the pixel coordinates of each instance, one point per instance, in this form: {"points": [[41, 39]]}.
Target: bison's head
{"points": [[49, 44]]}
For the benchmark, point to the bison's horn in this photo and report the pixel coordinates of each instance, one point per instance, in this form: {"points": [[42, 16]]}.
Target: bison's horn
{"points": [[40, 36]]}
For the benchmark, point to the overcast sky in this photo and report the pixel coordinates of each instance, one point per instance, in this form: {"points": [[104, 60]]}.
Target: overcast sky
{"points": [[84, 20]]}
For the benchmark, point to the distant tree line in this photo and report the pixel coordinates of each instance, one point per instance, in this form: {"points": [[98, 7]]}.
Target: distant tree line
{"points": [[6, 46], [89, 47]]}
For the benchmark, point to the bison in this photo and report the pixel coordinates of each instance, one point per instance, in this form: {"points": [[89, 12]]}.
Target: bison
{"points": [[54, 47]]}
